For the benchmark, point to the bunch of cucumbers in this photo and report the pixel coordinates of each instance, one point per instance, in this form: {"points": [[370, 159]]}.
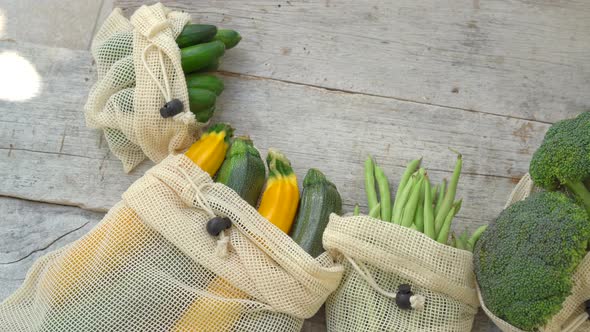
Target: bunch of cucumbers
{"points": [[201, 47]]}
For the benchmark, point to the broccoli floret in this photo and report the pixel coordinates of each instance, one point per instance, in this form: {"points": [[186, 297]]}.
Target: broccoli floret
{"points": [[564, 158], [525, 260]]}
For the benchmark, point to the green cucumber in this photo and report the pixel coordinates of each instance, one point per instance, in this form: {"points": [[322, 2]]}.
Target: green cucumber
{"points": [[212, 67], [201, 103], [205, 81], [319, 199], [230, 38], [243, 170], [197, 57], [194, 34]]}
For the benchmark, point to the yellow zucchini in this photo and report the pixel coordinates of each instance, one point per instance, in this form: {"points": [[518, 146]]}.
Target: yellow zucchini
{"points": [[281, 197], [209, 151], [101, 251]]}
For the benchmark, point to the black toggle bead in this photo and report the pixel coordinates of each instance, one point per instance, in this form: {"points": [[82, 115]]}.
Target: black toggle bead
{"points": [[402, 298], [171, 108], [216, 225]]}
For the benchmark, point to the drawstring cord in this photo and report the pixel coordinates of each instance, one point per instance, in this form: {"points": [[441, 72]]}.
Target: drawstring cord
{"points": [[186, 117], [417, 301], [222, 248], [576, 323]]}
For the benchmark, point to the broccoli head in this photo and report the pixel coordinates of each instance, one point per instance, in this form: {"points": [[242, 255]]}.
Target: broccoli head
{"points": [[564, 157], [525, 260]]}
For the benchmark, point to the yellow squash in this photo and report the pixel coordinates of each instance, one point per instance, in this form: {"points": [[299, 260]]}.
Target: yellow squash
{"points": [[95, 255], [213, 313], [209, 151], [281, 197]]}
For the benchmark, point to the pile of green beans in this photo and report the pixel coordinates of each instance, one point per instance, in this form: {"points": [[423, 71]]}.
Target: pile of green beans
{"points": [[418, 205]]}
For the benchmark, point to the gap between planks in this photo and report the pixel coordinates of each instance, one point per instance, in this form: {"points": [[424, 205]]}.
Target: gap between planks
{"points": [[352, 92]]}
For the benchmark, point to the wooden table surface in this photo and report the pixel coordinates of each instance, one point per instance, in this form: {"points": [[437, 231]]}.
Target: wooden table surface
{"points": [[327, 82]]}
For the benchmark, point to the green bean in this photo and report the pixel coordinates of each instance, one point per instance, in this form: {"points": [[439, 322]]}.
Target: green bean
{"points": [[356, 211], [412, 165], [410, 207], [453, 242], [422, 171], [449, 198], [384, 194], [428, 212], [443, 235], [401, 200], [476, 235], [375, 211], [462, 241], [441, 195], [419, 217], [413, 226], [434, 190], [457, 205], [370, 183]]}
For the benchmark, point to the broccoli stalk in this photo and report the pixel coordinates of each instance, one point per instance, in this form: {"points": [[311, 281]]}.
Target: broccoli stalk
{"points": [[525, 260], [563, 159], [579, 189]]}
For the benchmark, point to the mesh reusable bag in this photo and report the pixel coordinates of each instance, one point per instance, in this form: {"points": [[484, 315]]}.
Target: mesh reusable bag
{"points": [[150, 265], [572, 317], [378, 257], [139, 70]]}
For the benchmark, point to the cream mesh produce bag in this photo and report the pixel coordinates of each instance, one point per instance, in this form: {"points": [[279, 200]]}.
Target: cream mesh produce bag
{"points": [[151, 265], [572, 317], [379, 257], [139, 70]]}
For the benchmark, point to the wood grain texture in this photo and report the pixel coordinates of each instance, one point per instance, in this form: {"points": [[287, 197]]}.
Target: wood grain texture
{"points": [[50, 156], [520, 58], [47, 154], [29, 230]]}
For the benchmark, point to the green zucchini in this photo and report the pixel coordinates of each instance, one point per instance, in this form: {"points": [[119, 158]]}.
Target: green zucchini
{"points": [[230, 38], [194, 34], [197, 57], [319, 199], [201, 103], [212, 67], [205, 81], [243, 170]]}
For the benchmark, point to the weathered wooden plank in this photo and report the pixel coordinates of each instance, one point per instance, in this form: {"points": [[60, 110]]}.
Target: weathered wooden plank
{"points": [[526, 59], [49, 155], [31, 229]]}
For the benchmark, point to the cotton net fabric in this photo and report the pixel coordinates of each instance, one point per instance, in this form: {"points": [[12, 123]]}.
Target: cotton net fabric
{"points": [[572, 317], [378, 257], [138, 66], [151, 265]]}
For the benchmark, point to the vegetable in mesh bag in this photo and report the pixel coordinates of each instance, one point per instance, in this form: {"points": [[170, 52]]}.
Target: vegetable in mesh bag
{"points": [[179, 253], [549, 292], [524, 262], [143, 53], [403, 272]]}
